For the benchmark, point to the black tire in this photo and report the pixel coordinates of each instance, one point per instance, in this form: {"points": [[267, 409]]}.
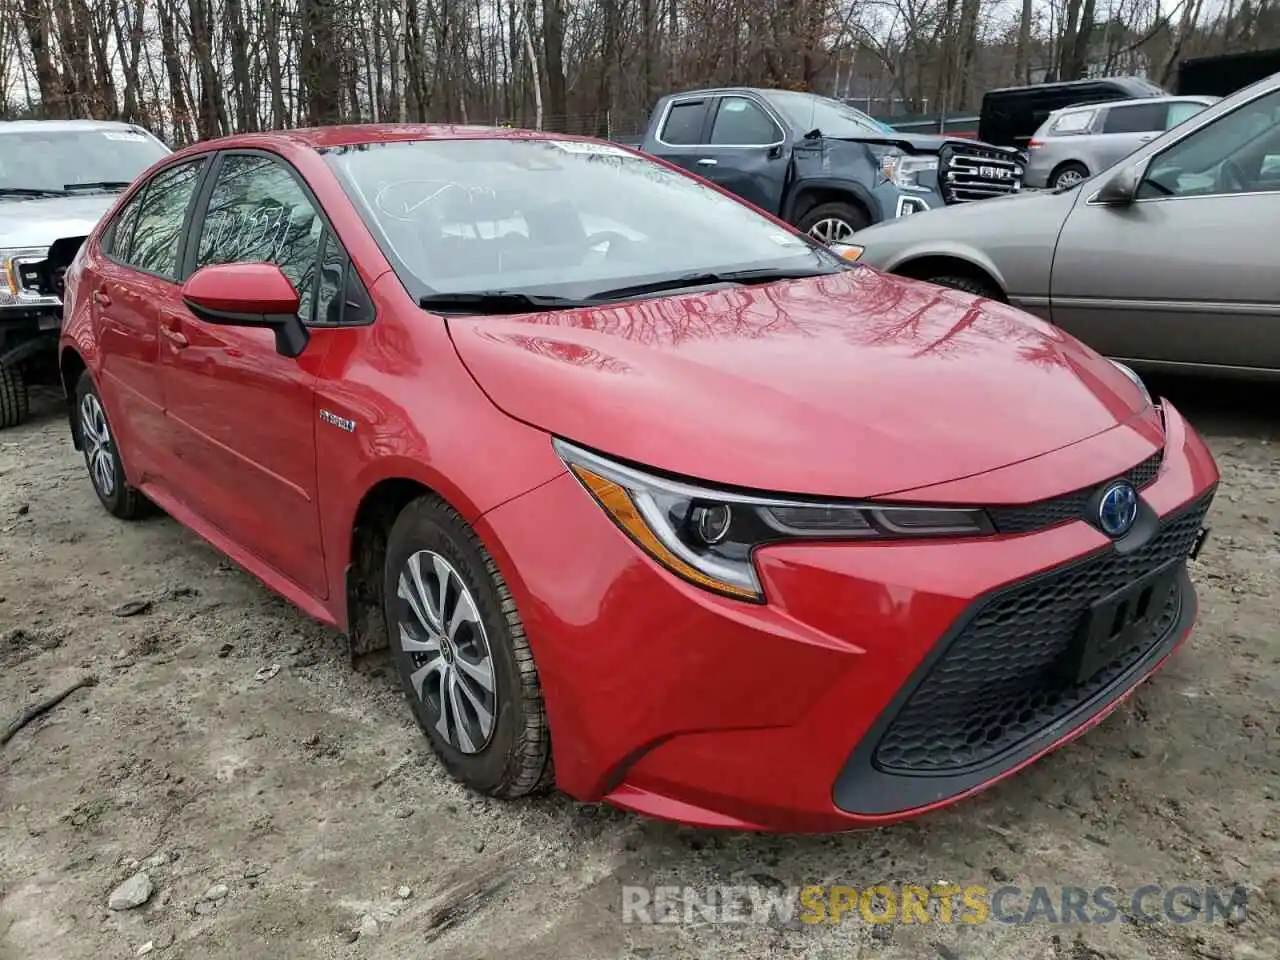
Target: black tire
{"points": [[102, 460], [855, 218], [972, 285], [515, 758], [15, 404], [1071, 172]]}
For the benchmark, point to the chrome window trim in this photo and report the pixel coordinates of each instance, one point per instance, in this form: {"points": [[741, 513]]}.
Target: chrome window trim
{"points": [[692, 98]]}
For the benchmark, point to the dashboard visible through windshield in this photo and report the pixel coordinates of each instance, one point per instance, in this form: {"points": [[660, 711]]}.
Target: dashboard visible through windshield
{"points": [[65, 162], [563, 218]]}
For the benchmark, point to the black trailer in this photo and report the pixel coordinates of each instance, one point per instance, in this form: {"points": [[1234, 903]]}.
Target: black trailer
{"points": [[1223, 75]]}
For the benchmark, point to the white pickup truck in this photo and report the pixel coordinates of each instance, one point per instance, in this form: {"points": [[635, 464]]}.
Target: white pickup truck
{"points": [[57, 179]]}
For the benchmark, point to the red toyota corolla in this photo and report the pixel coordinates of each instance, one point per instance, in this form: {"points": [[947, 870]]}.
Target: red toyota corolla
{"points": [[631, 475]]}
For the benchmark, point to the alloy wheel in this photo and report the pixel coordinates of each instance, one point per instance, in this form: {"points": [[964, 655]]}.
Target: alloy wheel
{"points": [[832, 230], [453, 668], [1068, 178], [98, 453]]}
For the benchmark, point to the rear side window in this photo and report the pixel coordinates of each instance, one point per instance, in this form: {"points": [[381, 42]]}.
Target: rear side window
{"points": [[157, 223], [1136, 118], [743, 122], [1077, 122], [683, 125]]}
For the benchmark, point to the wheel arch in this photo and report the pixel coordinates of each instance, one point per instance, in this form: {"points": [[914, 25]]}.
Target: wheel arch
{"points": [[812, 193], [71, 365], [1072, 161], [923, 265]]}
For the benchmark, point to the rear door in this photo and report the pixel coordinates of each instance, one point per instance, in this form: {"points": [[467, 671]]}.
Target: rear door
{"points": [[1185, 274], [130, 282], [678, 136]]}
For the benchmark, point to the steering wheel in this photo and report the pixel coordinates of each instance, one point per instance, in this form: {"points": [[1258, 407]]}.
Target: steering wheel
{"points": [[1231, 178], [617, 242]]}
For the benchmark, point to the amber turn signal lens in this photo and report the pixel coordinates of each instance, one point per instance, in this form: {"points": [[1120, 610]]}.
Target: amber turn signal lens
{"points": [[618, 504]]}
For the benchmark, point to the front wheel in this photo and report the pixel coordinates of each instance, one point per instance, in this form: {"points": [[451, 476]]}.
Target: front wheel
{"points": [[462, 655], [833, 222]]}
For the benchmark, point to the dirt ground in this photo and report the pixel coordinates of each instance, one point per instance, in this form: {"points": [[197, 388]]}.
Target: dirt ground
{"points": [[282, 804]]}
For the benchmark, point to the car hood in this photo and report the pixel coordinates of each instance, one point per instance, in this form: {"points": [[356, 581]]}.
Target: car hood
{"points": [[38, 223], [1002, 218], [856, 384]]}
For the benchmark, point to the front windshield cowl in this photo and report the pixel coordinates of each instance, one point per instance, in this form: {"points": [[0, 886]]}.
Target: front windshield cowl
{"points": [[551, 218]]}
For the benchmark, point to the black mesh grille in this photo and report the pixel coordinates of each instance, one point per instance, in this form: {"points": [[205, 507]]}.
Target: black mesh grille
{"points": [[1070, 506], [1000, 679], [974, 172]]}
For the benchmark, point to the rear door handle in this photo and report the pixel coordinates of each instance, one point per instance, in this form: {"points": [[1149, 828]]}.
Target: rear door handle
{"points": [[707, 162], [177, 338], [102, 298]]}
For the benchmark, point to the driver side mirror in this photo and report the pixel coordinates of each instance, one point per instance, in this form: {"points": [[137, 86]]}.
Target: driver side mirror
{"points": [[1121, 189], [248, 295]]}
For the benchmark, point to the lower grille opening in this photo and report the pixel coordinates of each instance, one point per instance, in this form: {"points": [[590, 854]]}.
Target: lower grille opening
{"points": [[1001, 681]]}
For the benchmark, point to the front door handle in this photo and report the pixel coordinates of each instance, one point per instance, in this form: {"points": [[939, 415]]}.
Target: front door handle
{"points": [[177, 338], [707, 162]]}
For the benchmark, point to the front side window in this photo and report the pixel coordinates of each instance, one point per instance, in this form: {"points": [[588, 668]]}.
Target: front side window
{"points": [[258, 213], [557, 217], [157, 231], [1180, 110], [806, 112], [1237, 152], [742, 122], [70, 162]]}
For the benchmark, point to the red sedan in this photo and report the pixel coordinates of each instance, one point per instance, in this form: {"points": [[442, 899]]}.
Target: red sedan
{"points": [[631, 475]]}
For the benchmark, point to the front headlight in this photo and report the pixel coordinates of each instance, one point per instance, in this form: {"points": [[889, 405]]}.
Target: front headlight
{"points": [[707, 536], [1137, 381], [904, 170], [11, 292]]}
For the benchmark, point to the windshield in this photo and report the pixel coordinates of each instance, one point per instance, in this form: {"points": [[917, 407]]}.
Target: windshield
{"points": [[808, 111], [59, 161], [555, 217]]}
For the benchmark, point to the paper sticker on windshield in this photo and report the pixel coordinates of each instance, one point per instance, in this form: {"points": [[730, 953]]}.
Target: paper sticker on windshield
{"points": [[590, 149], [124, 136]]}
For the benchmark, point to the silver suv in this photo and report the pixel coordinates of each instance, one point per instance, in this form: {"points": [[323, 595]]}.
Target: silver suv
{"points": [[57, 179], [1074, 143]]}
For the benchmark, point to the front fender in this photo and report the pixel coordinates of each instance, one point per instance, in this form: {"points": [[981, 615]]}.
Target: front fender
{"points": [[951, 249]]}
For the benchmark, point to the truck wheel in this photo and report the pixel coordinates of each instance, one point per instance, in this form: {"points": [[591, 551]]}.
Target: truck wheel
{"points": [[833, 222], [14, 401], [1068, 175]]}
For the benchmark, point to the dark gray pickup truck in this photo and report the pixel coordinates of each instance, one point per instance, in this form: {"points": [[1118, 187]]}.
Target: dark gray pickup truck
{"points": [[820, 164]]}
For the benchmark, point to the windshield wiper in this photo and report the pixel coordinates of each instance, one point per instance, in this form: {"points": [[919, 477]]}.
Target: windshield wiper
{"points": [[689, 280], [496, 302], [98, 185], [30, 192]]}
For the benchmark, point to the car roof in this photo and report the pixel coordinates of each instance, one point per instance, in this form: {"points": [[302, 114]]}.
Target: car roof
{"points": [[1122, 81], [354, 134], [1100, 104], [63, 126]]}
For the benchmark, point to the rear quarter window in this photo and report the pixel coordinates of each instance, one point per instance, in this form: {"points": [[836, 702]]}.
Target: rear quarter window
{"points": [[1076, 122]]}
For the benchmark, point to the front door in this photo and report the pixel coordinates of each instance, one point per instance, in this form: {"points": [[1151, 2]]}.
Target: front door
{"points": [[1183, 275], [745, 152], [241, 416]]}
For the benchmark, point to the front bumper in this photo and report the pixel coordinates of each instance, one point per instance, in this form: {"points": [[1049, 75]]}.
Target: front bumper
{"points": [[673, 702]]}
